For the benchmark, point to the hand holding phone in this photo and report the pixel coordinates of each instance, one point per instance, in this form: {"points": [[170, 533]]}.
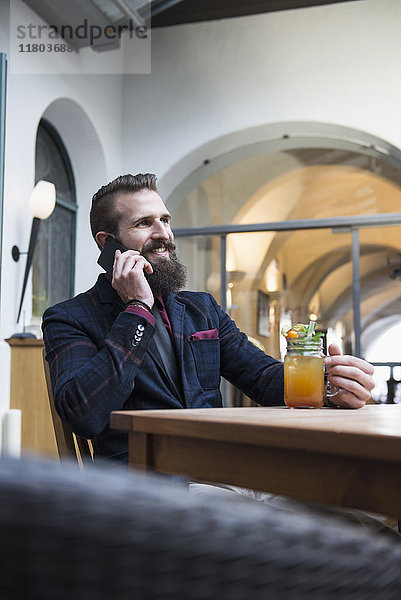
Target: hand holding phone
{"points": [[126, 287], [106, 258]]}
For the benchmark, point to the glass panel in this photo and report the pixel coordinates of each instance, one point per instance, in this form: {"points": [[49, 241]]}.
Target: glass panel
{"points": [[397, 373], [380, 307], [380, 267], [52, 263], [52, 163], [201, 256], [279, 279], [286, 278], [381, 377], [295, 184]]}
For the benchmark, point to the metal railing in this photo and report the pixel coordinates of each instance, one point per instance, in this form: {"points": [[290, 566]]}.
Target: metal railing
{"points": [[391, 382]]}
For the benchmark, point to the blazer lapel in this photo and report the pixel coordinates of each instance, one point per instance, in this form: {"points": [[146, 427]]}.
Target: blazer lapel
{"points": [[176, 313], [155, 354]]}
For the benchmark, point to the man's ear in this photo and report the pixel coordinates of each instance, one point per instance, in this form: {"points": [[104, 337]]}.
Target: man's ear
{"points": [[101, 238]]}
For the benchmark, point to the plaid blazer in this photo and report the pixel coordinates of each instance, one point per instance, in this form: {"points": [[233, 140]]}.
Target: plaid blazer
{"points": [[103, 358]]}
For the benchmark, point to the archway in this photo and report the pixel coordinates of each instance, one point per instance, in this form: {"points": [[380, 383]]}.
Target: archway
{"points": [[217, 154], [306, 171]]}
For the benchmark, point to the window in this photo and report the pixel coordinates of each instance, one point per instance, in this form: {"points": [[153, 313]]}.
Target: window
{"points": [[53, 261]]}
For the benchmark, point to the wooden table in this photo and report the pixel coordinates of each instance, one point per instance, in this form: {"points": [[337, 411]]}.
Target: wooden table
{"points": [[333, 456]]}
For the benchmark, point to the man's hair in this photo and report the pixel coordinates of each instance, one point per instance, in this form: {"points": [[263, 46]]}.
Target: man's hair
{"points": [[103, 215]]}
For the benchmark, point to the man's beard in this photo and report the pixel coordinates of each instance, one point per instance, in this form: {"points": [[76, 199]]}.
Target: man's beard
{"points": [[169, 275]]}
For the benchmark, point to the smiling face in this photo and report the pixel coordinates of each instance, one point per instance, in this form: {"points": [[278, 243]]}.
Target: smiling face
{"points": [[144, 224]]}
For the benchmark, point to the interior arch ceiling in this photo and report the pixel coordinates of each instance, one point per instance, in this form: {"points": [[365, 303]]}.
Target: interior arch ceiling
{"points": [[313, 191], [317, 260], [310, 280], [300, 252], [384, 312], [246, 191], [383, 305], [307, 183], [323, 190], [331, 277], [373, 284]]}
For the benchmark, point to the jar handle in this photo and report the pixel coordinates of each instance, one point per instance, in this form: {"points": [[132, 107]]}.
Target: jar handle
{"points": [[330, 389]]}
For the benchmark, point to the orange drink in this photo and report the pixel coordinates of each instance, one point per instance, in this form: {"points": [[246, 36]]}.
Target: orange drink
{"points": [[304, 367], [303, 380]]}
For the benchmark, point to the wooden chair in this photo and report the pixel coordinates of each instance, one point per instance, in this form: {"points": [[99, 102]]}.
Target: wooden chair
{"points": [[69, 445]]}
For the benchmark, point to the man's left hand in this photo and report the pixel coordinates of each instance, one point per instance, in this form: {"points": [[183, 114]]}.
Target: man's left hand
{"points": [[352, 375]]}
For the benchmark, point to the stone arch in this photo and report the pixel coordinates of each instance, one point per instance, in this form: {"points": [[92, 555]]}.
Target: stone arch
{"points": [[215, 155]]}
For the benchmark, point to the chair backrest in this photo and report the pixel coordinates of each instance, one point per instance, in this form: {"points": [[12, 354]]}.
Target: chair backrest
{"points": [[69, 445], [107, 533]]}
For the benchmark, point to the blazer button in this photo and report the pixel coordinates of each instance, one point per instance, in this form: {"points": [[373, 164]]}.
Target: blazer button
{"points": [[138, 335]]}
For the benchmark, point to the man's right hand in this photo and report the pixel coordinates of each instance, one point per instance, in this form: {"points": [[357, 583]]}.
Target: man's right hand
{"points": [[129, 279]]}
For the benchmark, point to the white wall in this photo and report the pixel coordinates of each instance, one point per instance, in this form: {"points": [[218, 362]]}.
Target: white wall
{"points": [[336, 64]]}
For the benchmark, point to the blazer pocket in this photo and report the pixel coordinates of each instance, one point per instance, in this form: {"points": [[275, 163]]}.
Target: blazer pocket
{"points": [[208, 334], [206, 353]]}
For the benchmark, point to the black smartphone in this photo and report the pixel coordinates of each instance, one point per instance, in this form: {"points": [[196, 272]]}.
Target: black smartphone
{"points": [[106, 257]]}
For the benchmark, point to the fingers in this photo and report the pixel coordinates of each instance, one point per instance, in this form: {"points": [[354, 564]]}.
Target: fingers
{"points": [[353, 362], [126, 261], [336, 358], [347, 400], [352, 375], [129, 276], [334, 350], [354, 391]]}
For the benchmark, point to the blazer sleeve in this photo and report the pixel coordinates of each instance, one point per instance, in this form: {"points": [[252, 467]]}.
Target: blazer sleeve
{"points": [[92, 376], [256, 374]]}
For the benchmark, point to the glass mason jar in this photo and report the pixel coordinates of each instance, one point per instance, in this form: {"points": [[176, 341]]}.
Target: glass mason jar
{"points": [[304, 373]]}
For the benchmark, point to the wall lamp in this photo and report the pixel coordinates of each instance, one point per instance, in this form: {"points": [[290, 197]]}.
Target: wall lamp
{"points": [[41, 204]]}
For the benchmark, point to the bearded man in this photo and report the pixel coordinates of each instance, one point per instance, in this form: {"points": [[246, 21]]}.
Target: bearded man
{"points": [[137, 341]]}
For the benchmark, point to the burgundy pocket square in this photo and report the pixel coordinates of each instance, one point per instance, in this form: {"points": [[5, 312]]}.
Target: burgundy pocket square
{"points": [[209, 334]]}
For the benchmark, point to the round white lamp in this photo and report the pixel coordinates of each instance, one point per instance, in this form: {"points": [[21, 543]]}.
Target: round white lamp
{"points": [[43, 200]]}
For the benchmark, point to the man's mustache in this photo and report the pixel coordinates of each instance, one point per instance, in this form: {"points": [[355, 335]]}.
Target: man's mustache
{"points": [[156, 244]]}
